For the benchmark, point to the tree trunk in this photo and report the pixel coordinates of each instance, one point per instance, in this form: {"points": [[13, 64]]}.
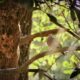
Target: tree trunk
{"points": [[26, 24], [11, 15]]}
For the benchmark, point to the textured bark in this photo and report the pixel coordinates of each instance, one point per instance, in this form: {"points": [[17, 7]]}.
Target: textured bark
{"points": [[26, 24], [11, 14]]}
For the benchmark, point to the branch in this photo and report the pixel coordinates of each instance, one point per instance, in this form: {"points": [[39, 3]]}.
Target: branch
{"points": [[40, 55], [54, 20], [70, 32], [27, 39], [36, 70], [15, 70], [23, 68], [48, 76]]}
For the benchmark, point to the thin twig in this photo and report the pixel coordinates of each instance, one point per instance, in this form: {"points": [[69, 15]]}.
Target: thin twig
{"points": [[68, 30], [66, 21], [48, 76]]}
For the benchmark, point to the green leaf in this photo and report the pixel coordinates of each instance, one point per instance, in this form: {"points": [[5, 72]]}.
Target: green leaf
{"points": [[52, 18], [72, 13]]}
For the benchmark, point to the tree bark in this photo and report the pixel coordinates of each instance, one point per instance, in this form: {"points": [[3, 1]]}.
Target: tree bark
{"points": [[11, 15], [26, 24]]}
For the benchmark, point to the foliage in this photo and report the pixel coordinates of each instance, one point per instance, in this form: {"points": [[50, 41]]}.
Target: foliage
{"points": [[51, 15], [55, 30]]}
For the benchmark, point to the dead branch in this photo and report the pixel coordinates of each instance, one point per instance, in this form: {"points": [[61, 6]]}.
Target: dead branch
{"points": [[27, 39], [23, 68], [40, 55]]}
